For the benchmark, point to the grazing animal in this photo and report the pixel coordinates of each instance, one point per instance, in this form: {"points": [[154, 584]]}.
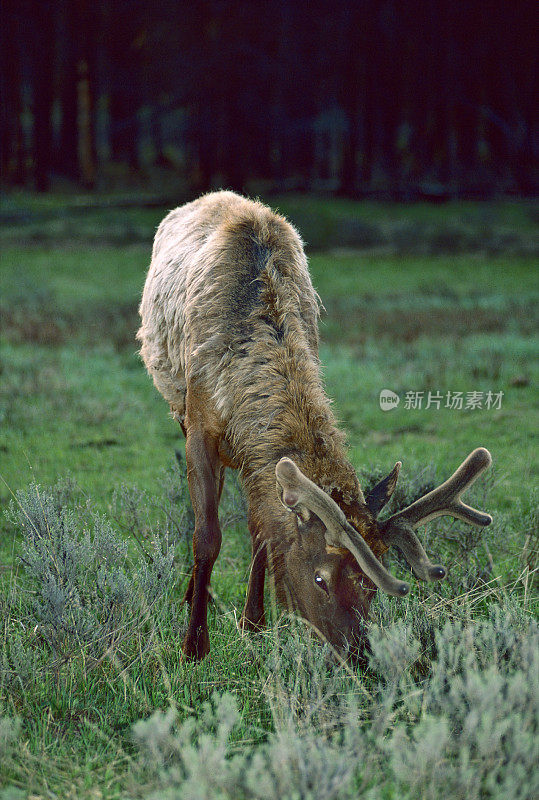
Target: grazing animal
{"points": [[229, 335]]}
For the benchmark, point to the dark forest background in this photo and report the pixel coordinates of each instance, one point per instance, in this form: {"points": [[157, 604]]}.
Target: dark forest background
{"points": [[379, 98]]}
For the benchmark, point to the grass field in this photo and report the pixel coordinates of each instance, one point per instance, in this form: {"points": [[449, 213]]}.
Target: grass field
{"points": [[91, 616]]}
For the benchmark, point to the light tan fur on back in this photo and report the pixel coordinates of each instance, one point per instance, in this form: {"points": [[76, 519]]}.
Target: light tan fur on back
{"points": [[194, 319], [229, 309]]}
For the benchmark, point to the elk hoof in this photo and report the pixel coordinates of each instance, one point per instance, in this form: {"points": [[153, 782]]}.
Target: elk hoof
{"points": [[196, 644], [248, 624]]}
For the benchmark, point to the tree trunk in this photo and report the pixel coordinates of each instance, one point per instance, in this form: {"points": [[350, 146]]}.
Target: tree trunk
{"points": [[353, 87], [43, 56], [10, 111], [66, 160], [102, 85]]}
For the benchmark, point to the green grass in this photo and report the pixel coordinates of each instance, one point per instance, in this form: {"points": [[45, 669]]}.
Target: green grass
{"points": [[75, 401], [499, 227]]}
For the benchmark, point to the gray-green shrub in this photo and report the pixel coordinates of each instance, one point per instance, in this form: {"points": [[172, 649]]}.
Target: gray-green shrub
{"points": [[466, 730], [87, 594]]}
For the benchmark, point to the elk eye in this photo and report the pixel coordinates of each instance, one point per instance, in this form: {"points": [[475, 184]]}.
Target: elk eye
{"points": [[321, 583]]}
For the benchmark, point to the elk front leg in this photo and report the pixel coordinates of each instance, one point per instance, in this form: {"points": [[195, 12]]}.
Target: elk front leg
{"points": [[188, 596], [253, 616], [204, 476]]}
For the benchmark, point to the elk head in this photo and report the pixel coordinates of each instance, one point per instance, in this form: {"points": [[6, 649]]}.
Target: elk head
{"points": [[331, 573]]}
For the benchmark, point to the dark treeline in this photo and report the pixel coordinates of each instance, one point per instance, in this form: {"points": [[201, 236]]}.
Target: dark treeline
{"points": [[380, 97]]}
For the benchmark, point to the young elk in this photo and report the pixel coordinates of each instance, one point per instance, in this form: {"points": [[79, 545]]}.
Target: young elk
{"points": [[230, 337]]}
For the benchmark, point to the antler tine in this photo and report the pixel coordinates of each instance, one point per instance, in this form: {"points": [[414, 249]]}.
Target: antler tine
{"points": [[445, 499], [397, 532], [297, 489], [398, 529]]}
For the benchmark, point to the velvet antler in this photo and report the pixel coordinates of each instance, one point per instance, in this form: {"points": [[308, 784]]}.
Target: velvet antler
{"points": [[444, 500]]}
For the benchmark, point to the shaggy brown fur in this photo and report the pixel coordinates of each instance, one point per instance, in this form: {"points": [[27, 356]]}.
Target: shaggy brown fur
{"points": [[230, 337]]}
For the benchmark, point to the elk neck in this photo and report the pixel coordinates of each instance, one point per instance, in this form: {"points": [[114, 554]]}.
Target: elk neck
{"points": [[281, 409]]}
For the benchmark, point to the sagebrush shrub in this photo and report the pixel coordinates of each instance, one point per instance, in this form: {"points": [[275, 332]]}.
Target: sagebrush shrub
{"points": [[476, 726], [140, 514], [467, 730], [446, 706], [87, 593]]}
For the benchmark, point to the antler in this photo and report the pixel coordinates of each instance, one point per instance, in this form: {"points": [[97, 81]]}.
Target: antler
{"points": [[398, 530], [445, 499], [297, 490]]}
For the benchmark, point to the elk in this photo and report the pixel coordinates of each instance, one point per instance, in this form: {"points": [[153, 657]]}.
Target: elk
{"points": [[229, 334]]}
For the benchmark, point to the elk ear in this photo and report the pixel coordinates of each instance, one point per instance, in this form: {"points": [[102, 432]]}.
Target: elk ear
{"points": [[381, 493], [288, 492], [291, 502]]}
